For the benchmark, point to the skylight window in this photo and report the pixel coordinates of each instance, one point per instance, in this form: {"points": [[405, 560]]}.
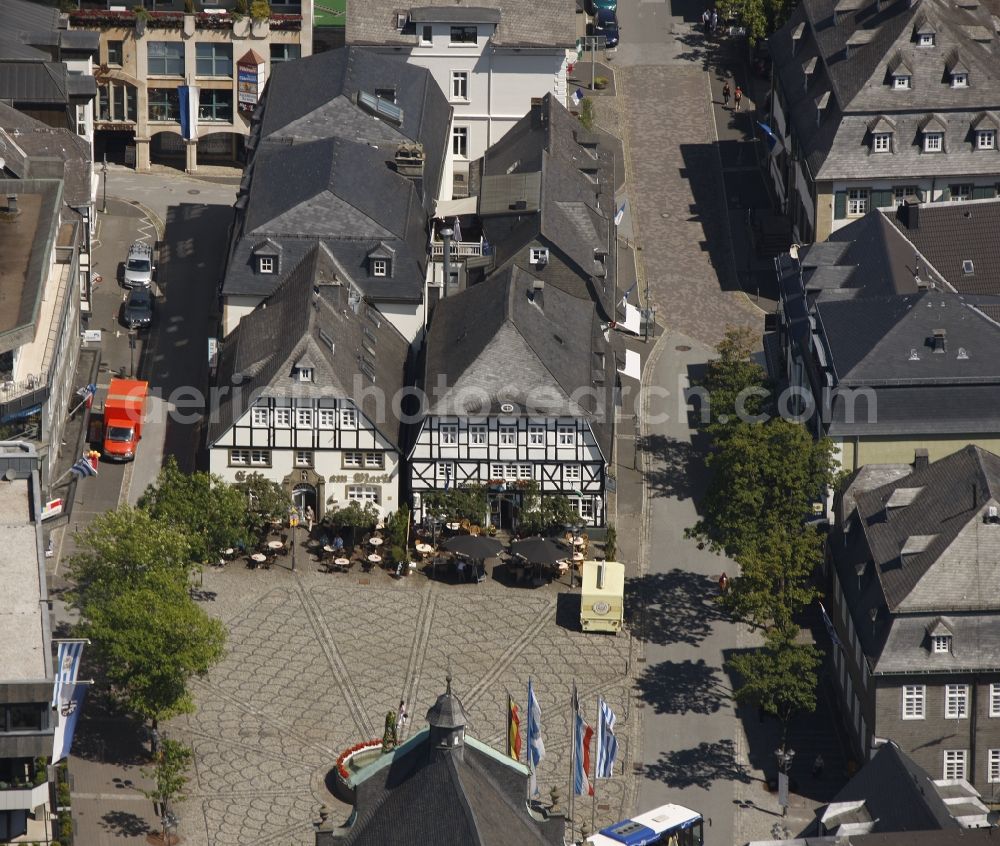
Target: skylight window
{"points": [[380, 107]]}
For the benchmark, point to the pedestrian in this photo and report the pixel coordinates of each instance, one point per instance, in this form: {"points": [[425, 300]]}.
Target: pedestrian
{"points": [[706, 21], [310, 516], [737, 97], [818, 766], [723, 584], [715, 20], [726, 91], [401, 715]]}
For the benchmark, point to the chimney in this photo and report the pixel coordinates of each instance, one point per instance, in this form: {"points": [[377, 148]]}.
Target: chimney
{"points": [[940, 341], [909, 213], [11, 211], [536, 293], [921, 459], [409, 160]]}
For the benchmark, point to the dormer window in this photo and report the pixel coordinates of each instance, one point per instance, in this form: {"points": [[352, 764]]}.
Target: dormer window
{"points": [[304, 374], [901, 81], [380, 267], [881, 142], [986, 139], [265, 264], [960, 79], [538, 255], [933, 142], [925, 39], [380, 260], [941, 644]]}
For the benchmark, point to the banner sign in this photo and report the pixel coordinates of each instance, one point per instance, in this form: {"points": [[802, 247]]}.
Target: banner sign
{"points": [[249, 80]]}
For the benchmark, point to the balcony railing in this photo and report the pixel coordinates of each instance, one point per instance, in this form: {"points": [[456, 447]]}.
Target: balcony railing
{"points": [[459, 249], [11, 389]]}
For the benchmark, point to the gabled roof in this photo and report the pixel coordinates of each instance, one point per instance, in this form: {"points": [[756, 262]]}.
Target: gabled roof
{"points": [[298, 323], [506, 341], [956, 569], [521, 22], [574, 211]]}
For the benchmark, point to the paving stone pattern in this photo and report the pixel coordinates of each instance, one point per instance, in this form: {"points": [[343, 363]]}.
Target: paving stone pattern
{"points": [[315, 661]]}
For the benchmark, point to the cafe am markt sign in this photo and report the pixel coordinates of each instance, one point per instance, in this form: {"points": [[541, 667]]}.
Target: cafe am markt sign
{"points": [[249, 80]]}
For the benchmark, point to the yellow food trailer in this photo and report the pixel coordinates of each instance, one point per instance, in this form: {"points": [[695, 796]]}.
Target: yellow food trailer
{"points": [[602, 596]]}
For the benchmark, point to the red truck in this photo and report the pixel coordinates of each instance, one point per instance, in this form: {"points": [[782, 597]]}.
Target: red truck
{"points": [[124, 412]]}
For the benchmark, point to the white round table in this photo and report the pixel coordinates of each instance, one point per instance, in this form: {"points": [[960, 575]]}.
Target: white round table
{"points": [[228, 551], [453, 527], [329, 549], [578, 541], [343, 562], [258, 558], [424, 548], [375, 559], [376, 542], [274, 544], [578, 556]]}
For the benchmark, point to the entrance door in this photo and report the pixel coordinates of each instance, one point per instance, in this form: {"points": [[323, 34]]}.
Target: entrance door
{"points": [[302, 496], [507, 511]]}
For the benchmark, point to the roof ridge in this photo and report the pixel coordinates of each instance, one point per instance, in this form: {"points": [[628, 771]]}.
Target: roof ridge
{"points": [[455, 777]]}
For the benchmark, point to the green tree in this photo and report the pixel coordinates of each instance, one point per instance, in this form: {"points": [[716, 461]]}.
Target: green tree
{"points": [[779, 677], [265, 500], [760, 17], [119, 551], [353, 517], [466, 502], [611, 543], [169, 775], [544, 513], [397, 528], [736, 385], [210, 511], [151, 639], [587, 113]]}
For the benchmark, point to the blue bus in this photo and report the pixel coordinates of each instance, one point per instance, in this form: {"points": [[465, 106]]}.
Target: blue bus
{"points": [[670, 825]]}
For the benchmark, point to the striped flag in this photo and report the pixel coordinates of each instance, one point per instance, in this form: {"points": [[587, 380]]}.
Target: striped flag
{"points": [[536, 746], [67, 669], [583, 734], [620, 214], [83, 467], [774, 145], [607, 743], [513, 730], [830, 630], [188, 97]]}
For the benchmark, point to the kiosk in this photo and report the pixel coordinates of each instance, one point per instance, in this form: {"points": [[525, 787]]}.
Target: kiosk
{"points": [[602, 596]]}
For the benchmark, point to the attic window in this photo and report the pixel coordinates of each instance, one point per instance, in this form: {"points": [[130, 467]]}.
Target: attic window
{"points": [[968, 267], [380, 267], [960, 79], [986, 139], [265, 264], [304, 374], [933, 142], [388, 94], [538, 255], [901, 81], [380, 107], [941, 644], [881, 142], [925, 39]]}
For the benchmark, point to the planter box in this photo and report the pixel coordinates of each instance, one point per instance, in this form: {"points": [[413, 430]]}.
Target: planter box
{"points": [[189, 25], [241, 28], [260, 29]]}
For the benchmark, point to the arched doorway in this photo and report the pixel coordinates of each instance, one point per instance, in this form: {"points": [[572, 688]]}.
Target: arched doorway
{"points": [[223, 148], [167, 148], [303, 496]]}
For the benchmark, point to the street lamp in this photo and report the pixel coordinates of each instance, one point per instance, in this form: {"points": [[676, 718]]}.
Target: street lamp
{"points": [[293, 522], [574, 528], [784, 757], [104, 172]]}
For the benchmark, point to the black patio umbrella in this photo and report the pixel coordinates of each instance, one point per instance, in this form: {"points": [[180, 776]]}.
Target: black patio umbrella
{"points": [[473, 546], [539, 551]]}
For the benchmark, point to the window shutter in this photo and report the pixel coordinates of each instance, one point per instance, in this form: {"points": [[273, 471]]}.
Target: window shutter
{"points": [[983, 192], [840, 205], [881, 199]]}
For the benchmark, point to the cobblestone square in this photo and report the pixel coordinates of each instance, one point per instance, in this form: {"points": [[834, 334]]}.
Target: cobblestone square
{"points": [[315, 661]]}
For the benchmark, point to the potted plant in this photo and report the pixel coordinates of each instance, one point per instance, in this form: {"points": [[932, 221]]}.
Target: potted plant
{"points": [[600, 82], [240, 19], [260, 17], [142, 17]]}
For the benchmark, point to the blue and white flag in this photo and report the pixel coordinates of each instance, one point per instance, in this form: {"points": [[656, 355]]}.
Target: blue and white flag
{"points": [[620, 214], [536, 746], [830, 630], [578, 96], [628, 293], [86, 391], [607, 743], [774, 145], [83, 467], [67, 668], [68, 715], [188, 100]]}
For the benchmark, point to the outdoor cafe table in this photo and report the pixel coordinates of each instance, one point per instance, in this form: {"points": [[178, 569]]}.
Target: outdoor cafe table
{"points": [[329, 549], [578, 541], [375, 559], [342, 562], [258, 558], [578, 557], [275, 544], [453, 527], [228, 551], [424, 548], [376, 542]]}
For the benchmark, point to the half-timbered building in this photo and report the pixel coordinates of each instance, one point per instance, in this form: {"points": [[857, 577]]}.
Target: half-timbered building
{"points": [[519, 380], [309, 386]]}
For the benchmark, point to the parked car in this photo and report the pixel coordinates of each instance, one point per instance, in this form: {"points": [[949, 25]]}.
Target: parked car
{"points": [[594, 5], [138, 311], [139, 265], [606, 24]]}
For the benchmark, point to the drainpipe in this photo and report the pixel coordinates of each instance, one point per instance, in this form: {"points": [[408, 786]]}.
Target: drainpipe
{"points": [[446, 234]]}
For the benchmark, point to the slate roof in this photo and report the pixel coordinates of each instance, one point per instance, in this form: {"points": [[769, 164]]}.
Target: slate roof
{"points": [[35, 82], [898, 795], [315, 98], [575, 209], [881, 259], [950, 233], [957, 569], [855, 73], [522, 23], [23, 138], [493, 342], [266, 344]]}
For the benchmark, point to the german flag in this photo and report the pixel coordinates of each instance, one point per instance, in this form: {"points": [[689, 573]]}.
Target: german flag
{"points": [[513, 730]]}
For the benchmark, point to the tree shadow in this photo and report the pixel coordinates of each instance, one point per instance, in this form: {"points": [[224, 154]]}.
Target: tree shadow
{"points": [[673, 607], [109, 735], [124, 824], [672, 466], [679, 687], [699, 766], [568, 611]]}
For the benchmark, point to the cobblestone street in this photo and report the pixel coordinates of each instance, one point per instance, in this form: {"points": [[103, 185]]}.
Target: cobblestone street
{"points": [[315, 661]]}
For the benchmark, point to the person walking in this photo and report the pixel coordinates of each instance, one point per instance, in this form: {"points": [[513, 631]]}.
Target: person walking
{"points": [[723, 584], [715, 20], [726, 91], [737, 97], [706, 22], [818, 765]]}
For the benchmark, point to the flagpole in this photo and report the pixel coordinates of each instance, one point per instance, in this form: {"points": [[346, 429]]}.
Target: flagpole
{"points": [[597, 763], [572, 760], [527, 751]]}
